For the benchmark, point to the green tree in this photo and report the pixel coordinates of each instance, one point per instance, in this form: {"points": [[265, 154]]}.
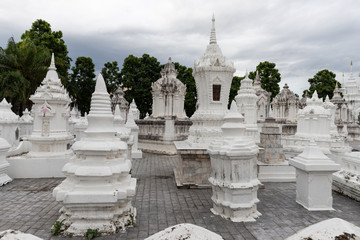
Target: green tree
{"points": [[81, 83], [111, 75], [22, 68], [41, 34], [186, 77], [270, 77], [235, 86], [138, 73], [324, 83]]}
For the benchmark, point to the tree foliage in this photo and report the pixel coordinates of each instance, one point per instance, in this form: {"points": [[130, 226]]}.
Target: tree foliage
{"points": [[270, 77], [41, 34], [112, 75], [235, 86], [138, 73], [324, 83], [81, 83], [22, 68]]}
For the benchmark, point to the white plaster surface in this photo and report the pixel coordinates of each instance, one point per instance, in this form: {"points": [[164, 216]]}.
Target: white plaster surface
{"points": [[327, 229], [185, 231], [17, 235]]}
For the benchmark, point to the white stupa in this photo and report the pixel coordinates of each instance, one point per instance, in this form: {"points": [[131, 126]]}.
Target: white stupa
{"points": [[50, 135], [98, 188]]}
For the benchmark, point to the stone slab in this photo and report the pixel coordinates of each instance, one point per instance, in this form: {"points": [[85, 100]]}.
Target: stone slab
{"points": [[21, 167], [281, 172]]}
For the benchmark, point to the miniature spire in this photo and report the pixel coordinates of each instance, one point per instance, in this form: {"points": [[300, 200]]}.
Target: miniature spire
{"points": [[315, 95], [213, 34], [52, 63], [100, 86]]}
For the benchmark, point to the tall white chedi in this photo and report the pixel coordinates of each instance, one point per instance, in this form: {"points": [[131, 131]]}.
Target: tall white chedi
{"points": [[51, 117], [98, 188], [234, 171], [168, 94], [246, 104], [213, 74]]}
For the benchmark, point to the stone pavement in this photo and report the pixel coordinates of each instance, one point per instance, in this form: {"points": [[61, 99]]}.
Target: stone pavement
{"points": [[27, 205]]}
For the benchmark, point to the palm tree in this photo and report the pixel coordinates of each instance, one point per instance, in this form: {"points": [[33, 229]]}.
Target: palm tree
{"points": [[22, 68]]}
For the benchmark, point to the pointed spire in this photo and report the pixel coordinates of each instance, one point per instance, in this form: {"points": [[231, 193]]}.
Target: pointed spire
{"points": [[315, 95], [52, 63], [213, 34], [100, 84]]}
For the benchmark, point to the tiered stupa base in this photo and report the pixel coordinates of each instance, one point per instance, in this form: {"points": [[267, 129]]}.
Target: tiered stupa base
{"points": [[239, 212], [107, 218], [194, 166]]}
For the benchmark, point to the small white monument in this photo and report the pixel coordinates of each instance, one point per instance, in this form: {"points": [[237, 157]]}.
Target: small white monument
{"points": [[246, 103], [314, 178], [4, 165], [135, 111], [50, 136], [131, 124], [213, 74], [234, 171], [9, 124], [26, 124], [314, 122], [98, 188], [329, 105], [285, 106], [118, 99]]}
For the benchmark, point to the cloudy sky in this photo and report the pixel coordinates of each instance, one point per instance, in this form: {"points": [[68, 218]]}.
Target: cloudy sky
{"points": [[301, 37]]}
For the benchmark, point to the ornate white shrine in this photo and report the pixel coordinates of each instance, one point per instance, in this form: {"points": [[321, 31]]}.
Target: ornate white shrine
{"points": [[168, 122], [98, 188], [246, 102], [234, 171], [50, 136], [314, 178], [285, 105], [4, 164], [263, 101], [213, 74], [168, 94], [9, 124]]}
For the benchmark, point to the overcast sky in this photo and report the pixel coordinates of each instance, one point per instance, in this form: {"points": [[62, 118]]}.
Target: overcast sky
{"points": [[301, 37]]}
